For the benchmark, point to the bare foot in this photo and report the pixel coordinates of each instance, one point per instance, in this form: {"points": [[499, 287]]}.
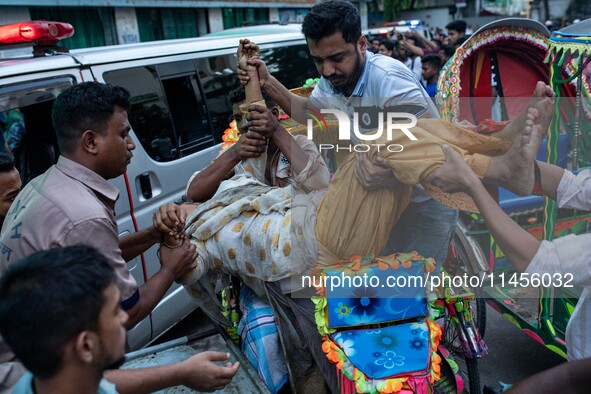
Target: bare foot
{"points": [[514, 170], [542, 96]]}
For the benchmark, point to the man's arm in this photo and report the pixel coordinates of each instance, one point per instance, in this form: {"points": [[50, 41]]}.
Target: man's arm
{"points": [[198, 373], [204, 185], [134, 244], [206, 182], [263, 121], [428, 43], [102, 235], [412, 47], [294, 105], [175, 263], [308, 169], [455, 175]]}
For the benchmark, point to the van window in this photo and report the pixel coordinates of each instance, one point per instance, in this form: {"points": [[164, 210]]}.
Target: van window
{"points": [[178, 108], [291, 65], [28, 130]]}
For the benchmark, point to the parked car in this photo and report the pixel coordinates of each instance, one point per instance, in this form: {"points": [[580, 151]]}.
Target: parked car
{"points": [[400, 27]]}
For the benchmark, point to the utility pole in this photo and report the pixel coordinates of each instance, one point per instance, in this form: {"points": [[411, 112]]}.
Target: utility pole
{"points": [[363, 14], [546, 10]]}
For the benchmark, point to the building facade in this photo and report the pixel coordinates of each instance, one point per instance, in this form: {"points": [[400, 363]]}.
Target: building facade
{"points": [[100, 22]]}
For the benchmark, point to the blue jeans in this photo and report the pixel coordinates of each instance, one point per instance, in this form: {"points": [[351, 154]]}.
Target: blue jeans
{"points": [[427, 227]]}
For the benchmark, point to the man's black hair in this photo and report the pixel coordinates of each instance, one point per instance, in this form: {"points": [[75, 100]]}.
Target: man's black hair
{"points": [[461, 40], [459, 26], [449, 50], [416, 41], [329, 17], [86, 106], [48, 298], [388, 44], [239, 94], [432, 59], [6, 162]]}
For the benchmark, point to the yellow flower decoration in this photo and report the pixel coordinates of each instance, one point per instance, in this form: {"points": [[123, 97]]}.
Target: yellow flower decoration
{"points": [[429, 264], [231, 135]]}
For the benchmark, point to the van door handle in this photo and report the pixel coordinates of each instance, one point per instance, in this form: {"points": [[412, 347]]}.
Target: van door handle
{"points": [[146, 185]]}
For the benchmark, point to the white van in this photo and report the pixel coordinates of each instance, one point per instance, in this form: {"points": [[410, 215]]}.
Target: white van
{"points": [[180, 108], [399, 27]]}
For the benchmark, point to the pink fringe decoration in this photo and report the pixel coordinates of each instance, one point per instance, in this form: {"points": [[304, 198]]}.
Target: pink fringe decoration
{"points": [[347, 386]]}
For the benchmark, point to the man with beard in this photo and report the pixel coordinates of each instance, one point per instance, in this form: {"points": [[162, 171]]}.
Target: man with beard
{"points": [[10, 184], [355, 80], [60, 312]]}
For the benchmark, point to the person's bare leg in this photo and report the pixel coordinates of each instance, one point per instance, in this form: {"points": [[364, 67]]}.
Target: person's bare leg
{"points": [[514, 170], [541, 93]]}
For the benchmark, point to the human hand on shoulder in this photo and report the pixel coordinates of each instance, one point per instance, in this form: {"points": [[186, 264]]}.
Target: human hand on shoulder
{"points": [[201, 373]]}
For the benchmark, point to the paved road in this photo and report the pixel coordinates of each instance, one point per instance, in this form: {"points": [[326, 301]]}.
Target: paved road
{"points": [[513, 355]]}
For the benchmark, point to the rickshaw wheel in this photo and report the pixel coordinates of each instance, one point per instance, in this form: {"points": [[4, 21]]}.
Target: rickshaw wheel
{"points": [[469, 366], [473, 375], [447, 383], [457, 263]]}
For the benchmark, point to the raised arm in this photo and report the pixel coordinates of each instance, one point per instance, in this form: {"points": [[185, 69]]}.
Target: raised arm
{"points": [[455, 175], [261, 120], [294, 105], [205, 183]]}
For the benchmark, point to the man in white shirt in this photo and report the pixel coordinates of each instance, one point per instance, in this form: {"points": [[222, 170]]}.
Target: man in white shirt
{"points": [[566, 255]]}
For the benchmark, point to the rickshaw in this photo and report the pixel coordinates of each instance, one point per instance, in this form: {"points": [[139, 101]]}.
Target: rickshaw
{"points": [[398, 318], [499, 65], [476, 69]]}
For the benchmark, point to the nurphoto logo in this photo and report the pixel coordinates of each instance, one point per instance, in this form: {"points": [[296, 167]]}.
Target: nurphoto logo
{"points": [[394, 122]]}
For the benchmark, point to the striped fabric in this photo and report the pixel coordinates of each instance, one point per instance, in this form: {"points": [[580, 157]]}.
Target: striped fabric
{"points": [[260, 340]]}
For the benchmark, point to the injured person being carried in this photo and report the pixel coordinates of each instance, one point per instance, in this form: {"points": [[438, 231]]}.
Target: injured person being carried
{"points": [[269, 211]]}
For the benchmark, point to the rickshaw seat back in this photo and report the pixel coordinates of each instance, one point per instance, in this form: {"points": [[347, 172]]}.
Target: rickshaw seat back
{"points": [[515, 79], [378, 333], [376, 304]]}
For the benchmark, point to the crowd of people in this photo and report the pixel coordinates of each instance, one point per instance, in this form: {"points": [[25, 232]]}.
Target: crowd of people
{"points": [[66, 294], [414, 49]]}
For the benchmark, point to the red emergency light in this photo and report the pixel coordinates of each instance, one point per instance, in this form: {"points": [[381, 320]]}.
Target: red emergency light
{"points": [[40, 32]]}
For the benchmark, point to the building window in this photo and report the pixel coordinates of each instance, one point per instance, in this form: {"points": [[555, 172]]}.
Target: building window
{"points": [[238, 17], [179, 108], [292, 14], [168, 23], [94, 26]]}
